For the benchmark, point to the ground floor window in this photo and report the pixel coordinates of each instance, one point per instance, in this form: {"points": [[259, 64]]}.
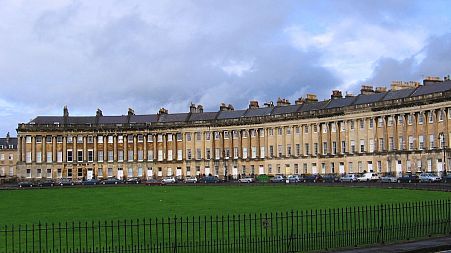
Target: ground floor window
{"points": [[69, 173], [28, 173], [80, 172]]}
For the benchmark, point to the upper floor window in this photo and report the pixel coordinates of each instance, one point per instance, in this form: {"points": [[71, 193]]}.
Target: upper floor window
{"points": [[409, 119], [431, 117], [48, 139], [38, 139], [188, 136], [130, 138], [79, 139], [420, 118]]}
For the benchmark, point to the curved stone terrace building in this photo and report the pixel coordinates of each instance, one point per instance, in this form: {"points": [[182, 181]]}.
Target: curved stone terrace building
{"points": [[404, 129], [8, 156]]}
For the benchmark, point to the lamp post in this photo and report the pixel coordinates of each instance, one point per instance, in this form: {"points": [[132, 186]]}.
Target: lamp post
{"points": [[444, 160]]}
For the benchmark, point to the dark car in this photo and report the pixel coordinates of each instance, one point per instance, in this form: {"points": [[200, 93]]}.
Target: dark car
{"points": [[151, 182], [65, 182], [313, 178], [278, 179], [209, 180], [112, 180], [133, 180], [24, 184], [46, 183], [447, 178], [331, 178], [92, 181], [408, 178]]}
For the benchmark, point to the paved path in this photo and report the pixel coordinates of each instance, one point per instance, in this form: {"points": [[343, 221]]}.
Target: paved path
{"points": [[442, 244]]}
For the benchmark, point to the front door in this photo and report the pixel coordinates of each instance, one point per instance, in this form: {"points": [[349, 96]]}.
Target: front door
{"points": [[341, 168], [149, 173], [235, 172], [120, 174], [89, 175], [399, 167], [261, 170]]}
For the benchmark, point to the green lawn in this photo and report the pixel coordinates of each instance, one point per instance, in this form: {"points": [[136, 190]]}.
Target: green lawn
{"points": [[132, 202]]}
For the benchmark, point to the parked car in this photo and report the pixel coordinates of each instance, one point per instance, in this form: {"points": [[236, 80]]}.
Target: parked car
{"points": [[24, 184], [331, 178], [408, 178], [246, 180], [168, 180], [65, 182], [349, 178], [293, 179], [388, 178], [151, 182], [277, 179], [46, 183], [133, 180], [91, 181], [315, 178], [447, 178], [429, 178], [369, 177], [112, 180], [209, 180], [190, 180], [77, 181]]}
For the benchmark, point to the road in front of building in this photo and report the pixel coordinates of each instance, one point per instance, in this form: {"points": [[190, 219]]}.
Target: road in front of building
{"points": [[441, 244]]}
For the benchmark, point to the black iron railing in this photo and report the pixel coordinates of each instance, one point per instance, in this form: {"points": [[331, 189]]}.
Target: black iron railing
{"points": [[296, 231]]}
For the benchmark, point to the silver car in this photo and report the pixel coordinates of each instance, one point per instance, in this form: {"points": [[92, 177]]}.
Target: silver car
{"points": [[190, 180], [246, 180], [429, 178], [349, 178], [388, 179]]}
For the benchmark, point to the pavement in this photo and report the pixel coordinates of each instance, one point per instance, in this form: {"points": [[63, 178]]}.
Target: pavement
{"points": [[440, 244]]}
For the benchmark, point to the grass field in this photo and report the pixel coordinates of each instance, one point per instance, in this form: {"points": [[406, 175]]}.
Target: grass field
{"points": [[132, 202]]}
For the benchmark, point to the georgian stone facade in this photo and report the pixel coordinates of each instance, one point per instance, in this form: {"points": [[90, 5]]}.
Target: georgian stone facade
{"points": [[405, 129], [8, 156]]}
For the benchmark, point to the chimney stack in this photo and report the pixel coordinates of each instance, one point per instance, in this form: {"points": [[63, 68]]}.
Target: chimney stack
{"points": [[253, 104], [194, 109], [162, 111], [282, 102], [224, 107], [336, 94], [130, 112], [269, 104], [366, 90], [99, 113], [380, 89], [311, 98], [299, 101]]}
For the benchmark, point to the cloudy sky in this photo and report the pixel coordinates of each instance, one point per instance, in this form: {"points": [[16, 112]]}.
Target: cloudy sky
{"points": [[150, 54]]}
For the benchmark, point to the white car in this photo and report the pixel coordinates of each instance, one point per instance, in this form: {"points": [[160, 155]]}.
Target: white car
{"points": [[168, 180], [429, 178], [191, 180], [368, 177], [246, 180]]}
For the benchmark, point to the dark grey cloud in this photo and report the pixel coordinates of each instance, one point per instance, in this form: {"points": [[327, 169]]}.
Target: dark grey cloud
{"points": [[146, 55], [432, 60]]}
